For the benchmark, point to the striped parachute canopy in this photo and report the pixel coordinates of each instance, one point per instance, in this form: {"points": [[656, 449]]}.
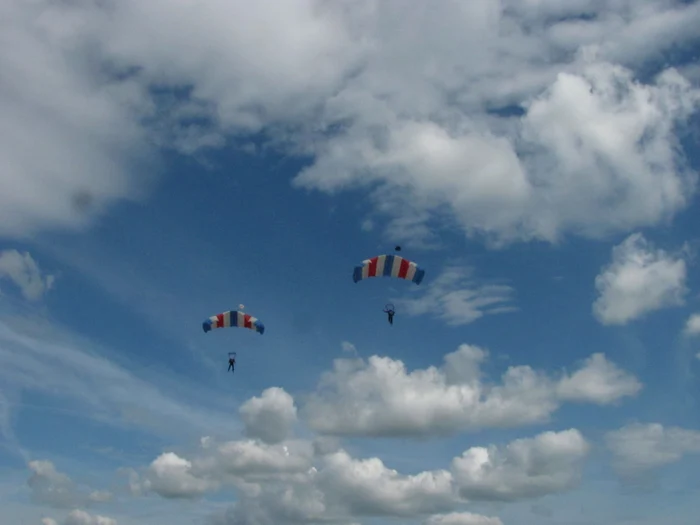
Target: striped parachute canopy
{"points": [[233, 318], [388, 266]]}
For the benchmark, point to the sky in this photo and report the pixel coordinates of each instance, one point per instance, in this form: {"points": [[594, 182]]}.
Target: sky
{"points": [[165, 161]]}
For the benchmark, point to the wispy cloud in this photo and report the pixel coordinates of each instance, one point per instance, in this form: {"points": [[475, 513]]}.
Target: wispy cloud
{"points": [[349, 348], [24, 272], [80, 517], [45, 359], [456, 297]]}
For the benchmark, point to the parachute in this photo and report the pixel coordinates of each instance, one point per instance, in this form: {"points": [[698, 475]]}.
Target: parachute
{"points": [[389, 266], [231, 319]]}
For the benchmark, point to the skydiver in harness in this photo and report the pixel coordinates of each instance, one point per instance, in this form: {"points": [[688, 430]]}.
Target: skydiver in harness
{"points": [[232, 362], [389, 311], [389, 308]]}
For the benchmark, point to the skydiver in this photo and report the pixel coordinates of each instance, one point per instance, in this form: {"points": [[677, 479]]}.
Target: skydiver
{"points": [[232, 364], [390, 314]]}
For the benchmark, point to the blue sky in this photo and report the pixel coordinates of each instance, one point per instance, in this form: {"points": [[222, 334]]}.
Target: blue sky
{"points": [[545, 371]]}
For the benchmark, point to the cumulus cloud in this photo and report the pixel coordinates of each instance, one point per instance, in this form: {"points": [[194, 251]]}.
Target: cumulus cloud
{"points": [[236, 462], [334, 487], [269, 417], [525, 468], [25, 273], [379, 397], [298, 481], [291, 480], [692, 325], [71, 134], [598, 381], [640, 447], [368, 488], [499, 121], [54, 488], [593, 152], [171, 476], [608, 143], [455, 298], [640, 279]]}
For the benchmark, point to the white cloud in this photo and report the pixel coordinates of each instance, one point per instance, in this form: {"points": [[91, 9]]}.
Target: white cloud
{"points": [[269, 417], [379, 397], [651, 28], [25, 273], [642, 447], [368, 488], [334, 487], [171, 476], [42, 359], [639, 280], [598, 381], [237, 462], [526, 468], [80, 517], [594, 154], [100, 496], [56, 489], [77, 82], [70, 136], [256, 460], [692, 325], [50, 486], [455, 298], [408, 118], [462, 518], [340, 486], [348, 347], [296, 481], [609, 146]]}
